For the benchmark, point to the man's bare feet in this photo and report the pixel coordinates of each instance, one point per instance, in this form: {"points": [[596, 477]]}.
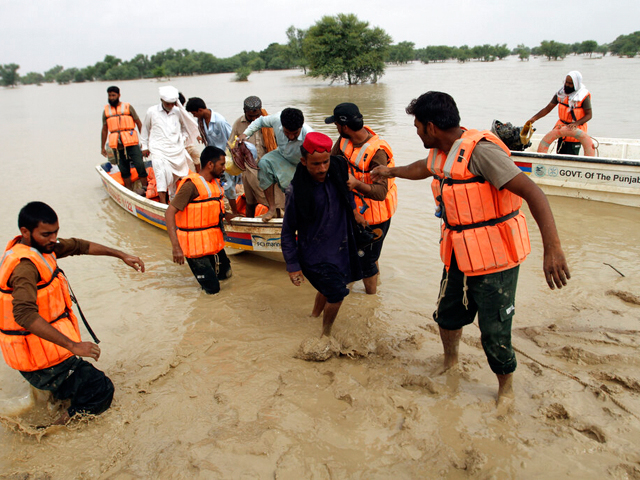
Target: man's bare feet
{"points": [[506, 396]]}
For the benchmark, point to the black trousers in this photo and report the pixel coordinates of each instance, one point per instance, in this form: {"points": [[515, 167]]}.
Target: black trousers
{"points": [[209, 270]]}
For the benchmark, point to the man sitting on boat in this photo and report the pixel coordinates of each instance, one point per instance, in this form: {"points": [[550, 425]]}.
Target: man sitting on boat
{"points": [[165, 128], [317, 231], [39, 332], [574, 109], [119, 121], [278, 166], [264, 141], [484, 234], [194, 222]]}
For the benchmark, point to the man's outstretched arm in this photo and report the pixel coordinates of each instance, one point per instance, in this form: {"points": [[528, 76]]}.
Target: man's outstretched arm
{"points": [[134, 262]]}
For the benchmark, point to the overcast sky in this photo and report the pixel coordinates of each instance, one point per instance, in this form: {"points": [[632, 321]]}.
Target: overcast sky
{"points": [[38, 34]]}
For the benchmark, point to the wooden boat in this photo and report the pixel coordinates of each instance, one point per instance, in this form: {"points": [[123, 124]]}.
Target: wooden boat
{"points": [[613, 175], [241, 234]]}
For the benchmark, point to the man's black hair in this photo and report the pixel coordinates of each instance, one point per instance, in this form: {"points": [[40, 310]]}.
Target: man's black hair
{"points": [[114, 89], [194, 104], [181, 98], [355, 124], [436, 107], [34, 213], [210, 154], [292, 119]]}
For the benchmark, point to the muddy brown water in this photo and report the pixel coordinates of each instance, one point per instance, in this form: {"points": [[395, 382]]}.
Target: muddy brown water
{"points": [[208, 387]]}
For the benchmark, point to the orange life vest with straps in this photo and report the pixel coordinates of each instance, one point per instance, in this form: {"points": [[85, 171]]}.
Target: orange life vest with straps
{"points": [[200, 223], [121, 126], [359, 159], [23, 350], [482, 226], [569, 115]]}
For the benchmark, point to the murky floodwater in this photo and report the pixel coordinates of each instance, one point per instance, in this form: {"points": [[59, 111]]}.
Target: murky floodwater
{"points": [[209, 387]]}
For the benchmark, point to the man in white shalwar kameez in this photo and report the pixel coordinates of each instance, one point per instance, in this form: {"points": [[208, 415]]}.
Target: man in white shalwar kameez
{"points": [[166, 129]]}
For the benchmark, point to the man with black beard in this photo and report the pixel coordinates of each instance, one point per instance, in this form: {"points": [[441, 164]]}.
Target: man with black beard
{"points": [[376, 200], [119, 121], [194, 222], [574, 110], [39, 333]]}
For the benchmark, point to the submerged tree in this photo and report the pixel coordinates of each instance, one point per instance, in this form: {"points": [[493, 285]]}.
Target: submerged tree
{"points": [[552, 49], [344, 48], [9, 74]]}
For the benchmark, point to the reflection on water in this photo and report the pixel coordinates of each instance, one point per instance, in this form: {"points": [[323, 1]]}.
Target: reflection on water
{"points": [[159, 322]]}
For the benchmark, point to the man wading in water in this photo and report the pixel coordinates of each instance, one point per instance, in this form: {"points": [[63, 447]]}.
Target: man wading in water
{"points": [[479, 191], [319, 210], [39, 332]]}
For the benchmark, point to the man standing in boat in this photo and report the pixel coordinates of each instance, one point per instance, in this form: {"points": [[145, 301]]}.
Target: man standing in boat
{"points": [[215, 130], [165, 128], [279, 165], [264, 140], [39, 332], [479, 191], [194, 222], [119, 121], [317, 231], [364, 150], [574, 109]]}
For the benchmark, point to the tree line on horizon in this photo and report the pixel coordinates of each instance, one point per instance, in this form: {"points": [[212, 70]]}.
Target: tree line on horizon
{"points": [[340, 47]]}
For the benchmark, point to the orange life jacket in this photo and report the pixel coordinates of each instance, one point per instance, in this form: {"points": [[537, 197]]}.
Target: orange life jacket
{"points": [[482, 225], [568, 115], [241, 205], [120, 125], [200, 223], [23, 350], [360, 159]]}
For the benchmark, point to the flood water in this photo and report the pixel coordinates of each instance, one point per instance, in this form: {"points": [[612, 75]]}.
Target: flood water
{"points": [[208, 386]]}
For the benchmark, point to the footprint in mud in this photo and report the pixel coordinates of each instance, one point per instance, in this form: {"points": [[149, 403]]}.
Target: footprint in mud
{"points": [[421, 381], [315, 349], [625, 296], [557, 412]]}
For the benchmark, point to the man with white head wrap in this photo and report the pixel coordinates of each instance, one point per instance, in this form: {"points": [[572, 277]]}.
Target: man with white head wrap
{"points": [[574, 109], [166, 129]]}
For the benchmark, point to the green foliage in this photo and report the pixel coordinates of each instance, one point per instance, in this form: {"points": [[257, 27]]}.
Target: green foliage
{"points": [[626, 45], [588, 46], [277, 57], [257, 64], [159, 72], [501, 51], [553, 50], [50, 75], [295, 53], [344, 48], [64, 77], [242, 73], [401, 53], [522, 51], [9, 74], [435, 53], [32, 78], [485, 53]]}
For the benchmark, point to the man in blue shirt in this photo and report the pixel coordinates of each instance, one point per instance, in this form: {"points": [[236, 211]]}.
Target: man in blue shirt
{"points": [[215, 131], [317, 231], [278, 166]]}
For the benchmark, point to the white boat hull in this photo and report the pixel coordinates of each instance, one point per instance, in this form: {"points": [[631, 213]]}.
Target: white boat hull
{"points": [[241, 234], [613, 177]]}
